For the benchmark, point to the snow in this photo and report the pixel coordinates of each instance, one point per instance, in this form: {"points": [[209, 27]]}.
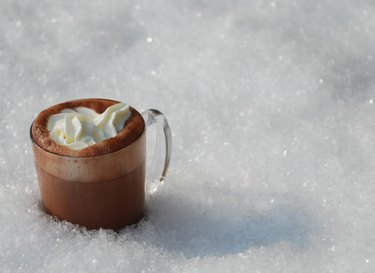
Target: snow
{"points": [[272, 114]]}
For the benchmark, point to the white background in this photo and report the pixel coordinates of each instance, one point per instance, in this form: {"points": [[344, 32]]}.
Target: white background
{"points": [[271, 105]]}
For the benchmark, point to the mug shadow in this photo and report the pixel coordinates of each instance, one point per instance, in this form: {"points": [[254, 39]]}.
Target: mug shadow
{"points": [[179, 226]]}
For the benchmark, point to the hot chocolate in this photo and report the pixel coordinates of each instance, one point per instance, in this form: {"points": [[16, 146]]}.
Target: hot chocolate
{"points": [[132, 129], [100, 186]]}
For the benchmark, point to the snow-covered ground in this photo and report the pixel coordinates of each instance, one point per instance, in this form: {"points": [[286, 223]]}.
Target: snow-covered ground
{"points": [[271, 105]]}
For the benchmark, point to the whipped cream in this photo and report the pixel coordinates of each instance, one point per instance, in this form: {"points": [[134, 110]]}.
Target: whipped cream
{"points": [[82, 127]]}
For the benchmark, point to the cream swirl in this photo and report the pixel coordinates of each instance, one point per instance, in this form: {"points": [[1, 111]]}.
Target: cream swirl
{"points": [[82, 127]]}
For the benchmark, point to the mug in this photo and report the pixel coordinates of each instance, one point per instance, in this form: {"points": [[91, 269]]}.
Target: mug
{"points": [[103, 191]]}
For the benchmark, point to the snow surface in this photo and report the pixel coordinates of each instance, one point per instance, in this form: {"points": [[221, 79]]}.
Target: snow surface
{"points": [[271, 105]]}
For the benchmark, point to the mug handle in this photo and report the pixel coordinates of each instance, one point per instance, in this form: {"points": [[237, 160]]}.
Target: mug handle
{"points": [[153, 116]]}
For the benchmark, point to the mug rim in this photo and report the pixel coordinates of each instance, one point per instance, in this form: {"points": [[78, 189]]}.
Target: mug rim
{"points": [[91, 156], [82, 157]]}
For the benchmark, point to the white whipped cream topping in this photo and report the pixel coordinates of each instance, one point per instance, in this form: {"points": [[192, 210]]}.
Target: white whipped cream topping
{"points": [[82, 127]]}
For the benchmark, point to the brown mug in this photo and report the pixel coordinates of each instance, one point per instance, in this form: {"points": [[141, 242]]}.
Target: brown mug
{"points": [[104, 191]]}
